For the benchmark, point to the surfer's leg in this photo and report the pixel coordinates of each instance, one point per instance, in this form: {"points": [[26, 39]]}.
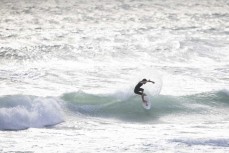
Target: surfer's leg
{"points": [[139, 91], [143, 95], [144, 101], [142, 91]]}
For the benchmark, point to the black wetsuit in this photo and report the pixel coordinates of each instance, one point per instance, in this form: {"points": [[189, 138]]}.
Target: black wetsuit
{"points": [[137, 88]]}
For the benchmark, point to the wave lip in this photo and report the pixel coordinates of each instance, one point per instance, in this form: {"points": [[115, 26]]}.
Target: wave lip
{"points": [[21, 112]]}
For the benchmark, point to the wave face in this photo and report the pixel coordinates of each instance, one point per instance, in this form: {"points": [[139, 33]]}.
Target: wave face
{"points": [[22, 112], [130, 109]]}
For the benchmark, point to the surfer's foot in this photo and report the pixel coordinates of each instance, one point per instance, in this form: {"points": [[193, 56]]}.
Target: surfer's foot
{"points": [[145, 102]]}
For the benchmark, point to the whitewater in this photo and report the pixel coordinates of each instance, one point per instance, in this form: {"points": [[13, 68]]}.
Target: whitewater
{"points": [[68, 69]]}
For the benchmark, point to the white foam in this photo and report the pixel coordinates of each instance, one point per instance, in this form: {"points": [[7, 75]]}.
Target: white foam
{"points": [[209, 142], [37, 113]]}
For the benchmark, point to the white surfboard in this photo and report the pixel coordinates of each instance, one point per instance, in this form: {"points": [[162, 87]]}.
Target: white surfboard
{"points": [[146, 105]]}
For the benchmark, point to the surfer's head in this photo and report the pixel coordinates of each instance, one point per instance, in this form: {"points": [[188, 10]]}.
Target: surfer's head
{"points": [[144, 81]]}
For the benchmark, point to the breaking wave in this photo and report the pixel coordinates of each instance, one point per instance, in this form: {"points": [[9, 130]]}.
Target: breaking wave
{"points": [[21, 112]]}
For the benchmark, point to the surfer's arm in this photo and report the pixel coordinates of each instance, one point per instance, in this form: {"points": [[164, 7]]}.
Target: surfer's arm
{"points": [[150, 81]]}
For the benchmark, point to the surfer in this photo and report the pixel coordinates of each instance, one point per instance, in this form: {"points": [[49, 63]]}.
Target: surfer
{"points": [[140, 91]]}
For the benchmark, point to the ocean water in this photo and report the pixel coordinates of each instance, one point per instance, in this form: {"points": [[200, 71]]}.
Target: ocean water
{"points": [[68, 69]]}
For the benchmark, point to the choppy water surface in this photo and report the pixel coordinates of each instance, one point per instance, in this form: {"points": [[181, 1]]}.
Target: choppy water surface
{"points": [[68, 69]]}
